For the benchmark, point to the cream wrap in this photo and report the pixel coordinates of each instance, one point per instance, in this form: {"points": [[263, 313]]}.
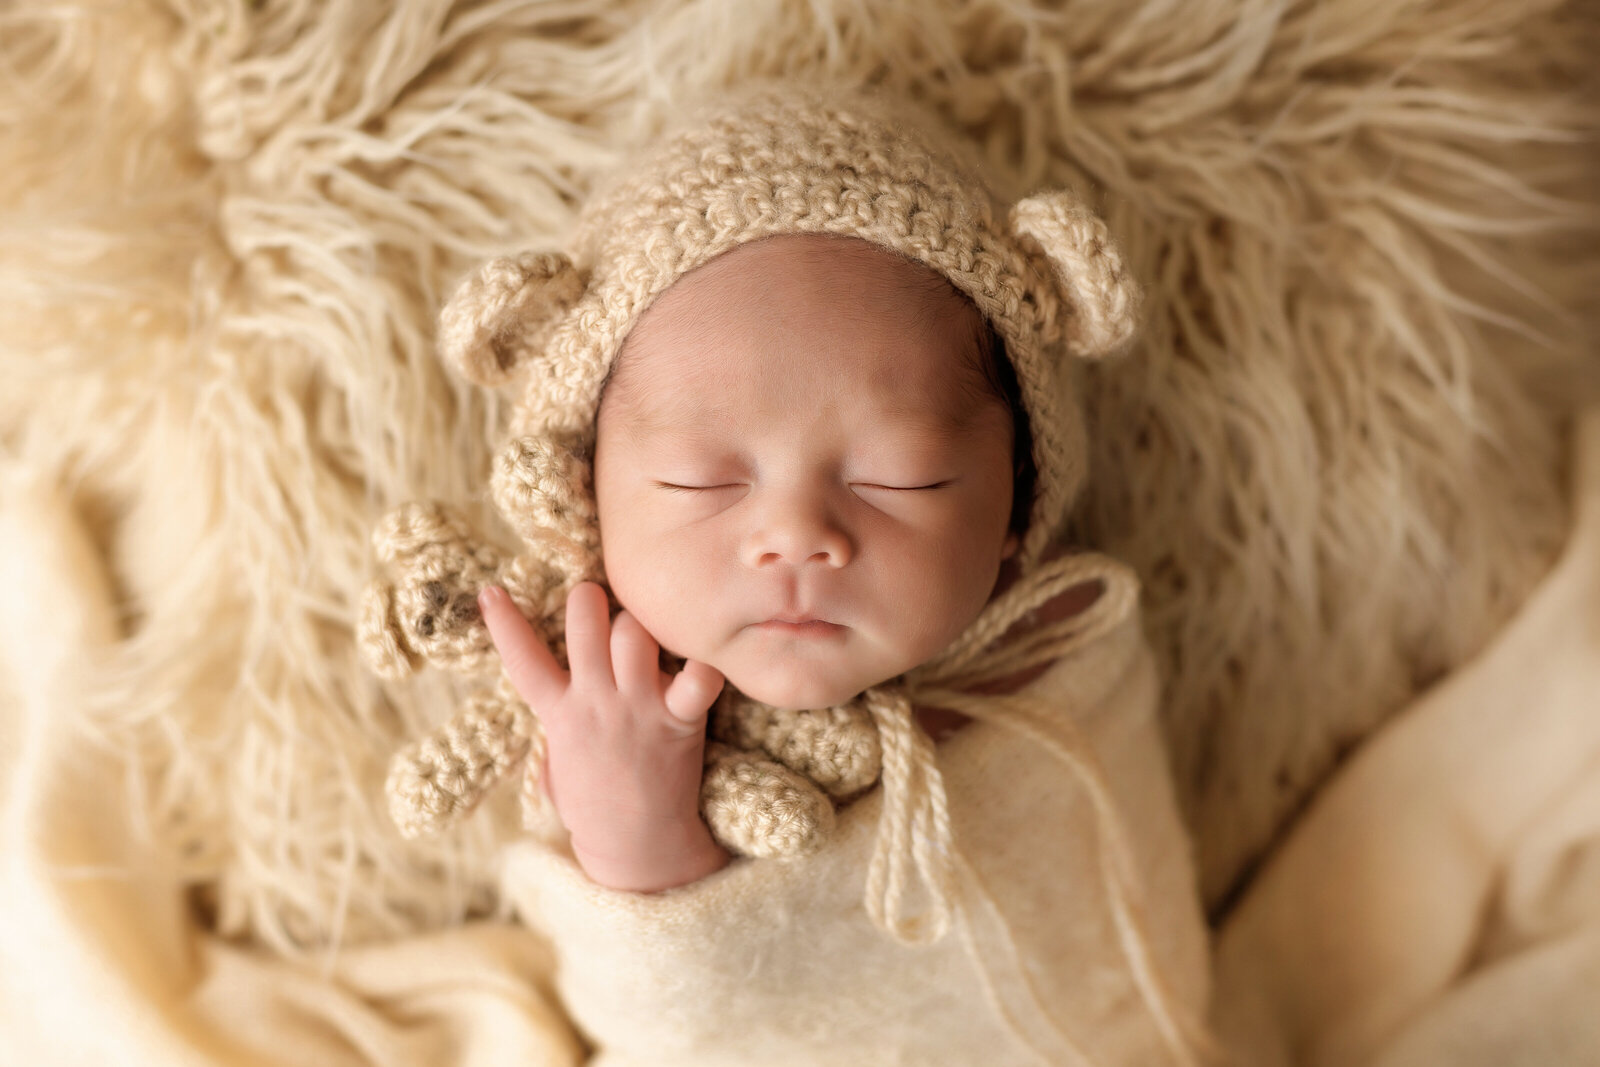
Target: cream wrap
{"points": [[780, 962]]}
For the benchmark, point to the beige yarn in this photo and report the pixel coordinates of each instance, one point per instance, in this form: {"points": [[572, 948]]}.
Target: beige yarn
{"points": [[425, 612], [437, 780], [443, 563], [837, 747], [760, 808], [518, 298], [767, 808], [544, 488]]}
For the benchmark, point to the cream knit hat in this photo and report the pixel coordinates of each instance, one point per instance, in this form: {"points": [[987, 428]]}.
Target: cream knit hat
{"points": [[788, 159]]}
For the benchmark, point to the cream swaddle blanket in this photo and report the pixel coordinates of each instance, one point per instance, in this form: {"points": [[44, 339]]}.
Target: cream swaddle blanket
{"points": [[779, 963]]}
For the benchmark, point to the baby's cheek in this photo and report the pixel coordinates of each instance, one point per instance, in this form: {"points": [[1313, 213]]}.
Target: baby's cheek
{"points": [[949, 605], [655, 587], [931, 629]]}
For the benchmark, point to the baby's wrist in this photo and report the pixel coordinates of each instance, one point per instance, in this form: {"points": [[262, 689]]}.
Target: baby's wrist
{"points": [[674, 853]]}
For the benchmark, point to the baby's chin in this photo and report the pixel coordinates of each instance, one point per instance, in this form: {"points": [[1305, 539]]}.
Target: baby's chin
{"points": [[798, 693]]}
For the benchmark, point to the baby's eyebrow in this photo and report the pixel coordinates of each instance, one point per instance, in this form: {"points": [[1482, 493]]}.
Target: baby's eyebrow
{"points": [[952, 416], [699, 421], [688, 419]]}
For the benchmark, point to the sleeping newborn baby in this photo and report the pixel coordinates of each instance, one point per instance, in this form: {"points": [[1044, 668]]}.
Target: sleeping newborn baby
{"points": [[821, 378], [803, 465]]}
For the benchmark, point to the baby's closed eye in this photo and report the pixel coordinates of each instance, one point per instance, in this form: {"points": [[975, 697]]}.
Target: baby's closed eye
{"points": [[908, 485], [904, 486], [675, 487]]}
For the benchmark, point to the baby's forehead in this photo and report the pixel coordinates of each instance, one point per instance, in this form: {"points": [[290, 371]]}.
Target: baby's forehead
{"points": [[914, 340], [659, 394], [680, 413]]}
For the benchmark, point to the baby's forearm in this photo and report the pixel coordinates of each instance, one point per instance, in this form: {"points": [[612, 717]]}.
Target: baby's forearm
{"points": [[674, 853]]}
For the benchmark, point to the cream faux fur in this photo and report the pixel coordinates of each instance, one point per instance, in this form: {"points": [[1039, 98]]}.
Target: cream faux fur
{"points": [[227, 229]]}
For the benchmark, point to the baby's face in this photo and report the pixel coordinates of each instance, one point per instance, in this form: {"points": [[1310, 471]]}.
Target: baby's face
{"points": [[800, 480]]}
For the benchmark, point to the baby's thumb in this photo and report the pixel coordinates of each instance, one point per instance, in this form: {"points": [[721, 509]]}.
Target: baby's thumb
{"points": [[690, 695]]}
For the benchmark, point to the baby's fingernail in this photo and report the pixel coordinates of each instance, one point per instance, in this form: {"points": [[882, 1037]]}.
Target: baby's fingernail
{"points": [[491, 594]]}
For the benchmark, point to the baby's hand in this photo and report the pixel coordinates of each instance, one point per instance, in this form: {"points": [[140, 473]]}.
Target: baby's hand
{"points": [[623, 741]]}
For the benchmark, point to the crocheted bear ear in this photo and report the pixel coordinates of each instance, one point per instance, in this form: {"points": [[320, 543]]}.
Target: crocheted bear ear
{"points": [[1088, 270], [500, 317]]}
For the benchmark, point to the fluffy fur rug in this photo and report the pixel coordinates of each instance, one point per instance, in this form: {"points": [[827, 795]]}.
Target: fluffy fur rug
{"points": [[1366, 228]]}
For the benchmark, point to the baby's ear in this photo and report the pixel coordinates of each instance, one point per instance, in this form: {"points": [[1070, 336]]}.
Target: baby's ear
{"points": [[500, 317], [1087, 267]]}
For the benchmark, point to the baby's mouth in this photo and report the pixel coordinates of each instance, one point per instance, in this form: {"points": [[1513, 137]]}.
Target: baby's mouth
{"points": [[800, 626]]}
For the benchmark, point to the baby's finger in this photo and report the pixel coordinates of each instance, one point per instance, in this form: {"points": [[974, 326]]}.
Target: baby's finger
{"points": [[690, 695], [533, 671], [589, 637], [635, 658]]}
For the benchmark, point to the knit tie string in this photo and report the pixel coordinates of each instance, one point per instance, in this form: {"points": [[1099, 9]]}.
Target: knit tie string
{"points": [[914, 832], [914, 829], [983, 654]]}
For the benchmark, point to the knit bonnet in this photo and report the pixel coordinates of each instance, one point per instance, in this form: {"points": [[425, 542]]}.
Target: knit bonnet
{"points": [[787, 159]]}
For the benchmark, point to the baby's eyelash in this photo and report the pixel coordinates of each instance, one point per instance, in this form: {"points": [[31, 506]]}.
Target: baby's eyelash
{"points": [[907, 488], [671, 487]]}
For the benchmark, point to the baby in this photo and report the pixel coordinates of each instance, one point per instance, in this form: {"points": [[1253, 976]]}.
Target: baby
{"points": [[804, 470], [819, 377]]}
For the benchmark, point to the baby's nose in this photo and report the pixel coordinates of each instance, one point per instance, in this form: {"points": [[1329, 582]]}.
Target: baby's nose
{"points": [[796, 528]]}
